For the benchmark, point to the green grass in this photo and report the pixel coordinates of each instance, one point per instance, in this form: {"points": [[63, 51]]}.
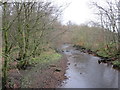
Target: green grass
{"points": [[46, 57]]}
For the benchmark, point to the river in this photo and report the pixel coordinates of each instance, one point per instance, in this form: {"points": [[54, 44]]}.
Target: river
{"points": [[84, 71]]}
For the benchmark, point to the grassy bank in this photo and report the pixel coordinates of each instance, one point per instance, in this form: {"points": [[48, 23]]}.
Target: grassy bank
{"points": [[105, 58]]}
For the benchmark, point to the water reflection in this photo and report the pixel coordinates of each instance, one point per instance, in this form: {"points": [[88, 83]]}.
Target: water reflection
{"points": [[85, 72]]}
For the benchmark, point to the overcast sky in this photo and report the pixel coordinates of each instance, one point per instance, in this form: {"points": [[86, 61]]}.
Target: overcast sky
{"points": [[79, 11]]}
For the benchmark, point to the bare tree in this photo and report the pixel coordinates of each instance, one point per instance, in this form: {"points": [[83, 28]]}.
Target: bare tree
{"points": [[26, 27], [108, 19]]}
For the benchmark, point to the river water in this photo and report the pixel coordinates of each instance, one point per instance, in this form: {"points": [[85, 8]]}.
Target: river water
{"points": [[83, 71]]}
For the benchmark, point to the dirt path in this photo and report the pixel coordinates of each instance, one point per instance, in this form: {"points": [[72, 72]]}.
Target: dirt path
{"points": [[57, 75]]}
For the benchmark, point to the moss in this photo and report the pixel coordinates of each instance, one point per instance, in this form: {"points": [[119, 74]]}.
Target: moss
{"points": [[103, 53], [116, 63]]}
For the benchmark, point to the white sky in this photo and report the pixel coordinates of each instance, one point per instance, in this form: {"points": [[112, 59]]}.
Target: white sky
{"points": [[78, 11]]}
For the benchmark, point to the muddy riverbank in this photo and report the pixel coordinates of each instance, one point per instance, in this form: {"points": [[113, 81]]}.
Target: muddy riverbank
{"points": [[49, 77]]}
